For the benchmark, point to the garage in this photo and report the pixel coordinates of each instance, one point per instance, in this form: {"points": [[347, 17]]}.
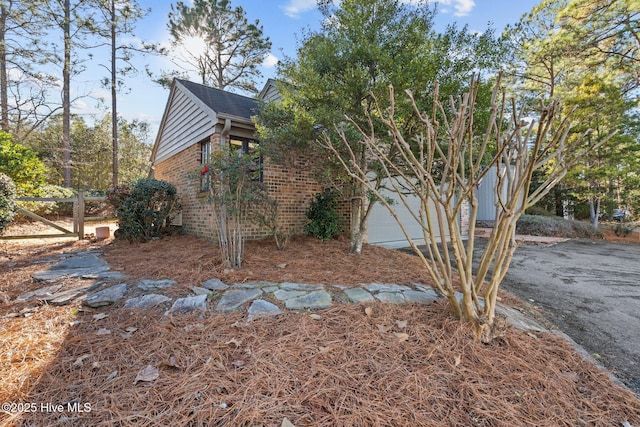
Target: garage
{"points": [[384, 229]]}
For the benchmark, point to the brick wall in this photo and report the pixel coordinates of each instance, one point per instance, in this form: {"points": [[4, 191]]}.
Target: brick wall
{"points": [[293, 187]]}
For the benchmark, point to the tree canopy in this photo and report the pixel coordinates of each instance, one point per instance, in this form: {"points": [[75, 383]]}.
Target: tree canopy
{"points": [[231, 48]]}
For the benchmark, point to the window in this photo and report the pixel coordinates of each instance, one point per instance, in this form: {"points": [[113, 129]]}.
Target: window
{"points": [[247, 146], [205, 156]]}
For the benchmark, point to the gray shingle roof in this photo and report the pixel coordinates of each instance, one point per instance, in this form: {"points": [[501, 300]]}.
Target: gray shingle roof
{"points": [[222, 101]]}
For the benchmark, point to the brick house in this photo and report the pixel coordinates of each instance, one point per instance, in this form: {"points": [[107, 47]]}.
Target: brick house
{"points": [[198, 119]]}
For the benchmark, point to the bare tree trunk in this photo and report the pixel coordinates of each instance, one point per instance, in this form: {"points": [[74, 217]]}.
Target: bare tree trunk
{"points": [[114, 110], [4, 89], [594, 211], [66, 97]]}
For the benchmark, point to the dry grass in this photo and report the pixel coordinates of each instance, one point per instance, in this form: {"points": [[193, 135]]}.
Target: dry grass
{"points": [[345, 368]]}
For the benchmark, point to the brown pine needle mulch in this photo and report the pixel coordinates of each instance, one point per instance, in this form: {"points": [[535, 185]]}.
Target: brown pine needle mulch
{"points": [[344, 366]]}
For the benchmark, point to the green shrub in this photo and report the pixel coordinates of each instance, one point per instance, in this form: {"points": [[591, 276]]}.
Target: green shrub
{"points": [[323, 217], [22, 165], [7, 201], [540, 211], [145, 209], [553, 226]]}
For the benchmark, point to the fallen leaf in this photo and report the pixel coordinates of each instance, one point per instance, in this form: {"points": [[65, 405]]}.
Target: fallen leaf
{"points": [[95, 365], [80, 360], [131, 329], [103, 331], [323, 349], [368, 311], [401, 324], [171, 362], [458, 360], [401, 336], [238, 363], [283, 265], [147, 374], [315, 316], [100, 316]]}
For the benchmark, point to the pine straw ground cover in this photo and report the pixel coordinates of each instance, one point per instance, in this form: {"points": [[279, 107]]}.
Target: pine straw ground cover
{"points": [[350, 365]]}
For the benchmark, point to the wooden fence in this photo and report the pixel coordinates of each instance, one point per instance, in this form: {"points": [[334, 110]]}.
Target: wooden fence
{"points": [[79, 217]]}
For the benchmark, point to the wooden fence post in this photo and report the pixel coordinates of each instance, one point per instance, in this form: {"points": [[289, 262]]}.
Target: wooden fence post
{"points": [[80, 215]]}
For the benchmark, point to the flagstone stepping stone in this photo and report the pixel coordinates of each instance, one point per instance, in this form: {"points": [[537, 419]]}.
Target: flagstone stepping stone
{"points": [[106, 296], [300, 287], [74, 294], [385, 287], [270, 289], [200, 291], [215, 285], [146, 301], [80, 261], [422, 297], [312, 300], [39, 293], [75, 264], [55, 274], [250, 285], [283, 295], [390, 297], [234, 298], [262, 308], [152, 285], [188, 304], [358, 295]]}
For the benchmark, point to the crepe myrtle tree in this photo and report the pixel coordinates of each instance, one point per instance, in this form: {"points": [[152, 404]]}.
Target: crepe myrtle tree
{"points": [[444, 164]]}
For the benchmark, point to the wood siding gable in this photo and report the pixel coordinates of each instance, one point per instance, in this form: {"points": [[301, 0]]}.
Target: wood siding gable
{"points": [[186, 121]]}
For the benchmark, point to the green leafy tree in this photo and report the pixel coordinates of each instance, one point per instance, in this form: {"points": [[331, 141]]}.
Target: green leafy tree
{"points": [[599, 177], [362, 48], [232, 47], [91, 148], [604, 33], [22, 165]]}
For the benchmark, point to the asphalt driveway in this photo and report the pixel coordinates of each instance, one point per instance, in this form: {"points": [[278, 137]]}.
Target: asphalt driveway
{"points": [[590, 290]]}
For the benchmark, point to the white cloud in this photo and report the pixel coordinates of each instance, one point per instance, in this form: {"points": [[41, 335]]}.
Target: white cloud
{"points": [[270, 61], [296, 7], [461, 7]]}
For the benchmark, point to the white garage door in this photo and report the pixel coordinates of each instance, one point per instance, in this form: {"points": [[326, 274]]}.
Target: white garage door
{"points": [[385, 231]]}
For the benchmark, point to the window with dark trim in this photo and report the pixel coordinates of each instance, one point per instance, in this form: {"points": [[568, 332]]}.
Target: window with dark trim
{"points": [[247, 146]]}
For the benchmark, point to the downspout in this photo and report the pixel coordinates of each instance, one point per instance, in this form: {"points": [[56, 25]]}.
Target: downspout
{"points": [[225, 132]]}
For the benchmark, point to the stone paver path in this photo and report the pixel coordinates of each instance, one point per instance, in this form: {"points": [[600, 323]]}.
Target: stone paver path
{"points": [[258, 299]]}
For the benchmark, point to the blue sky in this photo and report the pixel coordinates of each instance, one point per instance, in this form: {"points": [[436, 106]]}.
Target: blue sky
{"points": [[283, 22]]}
